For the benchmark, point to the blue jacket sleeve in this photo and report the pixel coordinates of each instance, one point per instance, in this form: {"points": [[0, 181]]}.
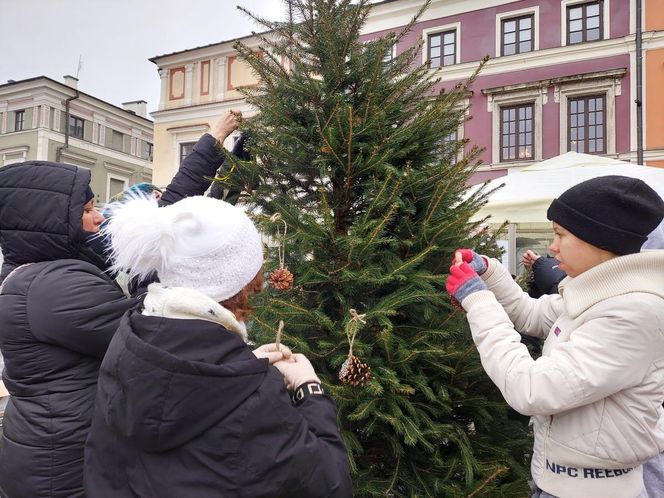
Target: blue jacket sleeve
{"points": [[196, 172], [73, 305]]}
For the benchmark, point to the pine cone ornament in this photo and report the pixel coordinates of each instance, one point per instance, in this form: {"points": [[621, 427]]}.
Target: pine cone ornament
{"points": [[355, 372], [281, 279]]}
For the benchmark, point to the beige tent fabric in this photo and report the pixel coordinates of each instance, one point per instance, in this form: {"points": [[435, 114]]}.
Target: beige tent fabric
{"points": [[528, 193]]}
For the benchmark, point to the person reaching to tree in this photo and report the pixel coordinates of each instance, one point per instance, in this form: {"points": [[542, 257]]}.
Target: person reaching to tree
{"points": [[546, 275], [596, 393], [58, 313], [184, 408]]}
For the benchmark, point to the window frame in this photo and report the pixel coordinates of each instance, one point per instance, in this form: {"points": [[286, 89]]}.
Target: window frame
{"points": [[21, 113], [441, 58], [610, 86], [505, 16], [181, 147], [517, 41], [71, 128], [440, 30], [604, 26], [112, 176], [586, 124], [516, 107]]}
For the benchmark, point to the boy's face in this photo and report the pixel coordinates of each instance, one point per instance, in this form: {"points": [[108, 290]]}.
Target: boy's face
{"points": [[575, 255]]}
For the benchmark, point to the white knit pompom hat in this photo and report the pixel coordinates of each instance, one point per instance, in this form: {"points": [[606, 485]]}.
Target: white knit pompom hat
{"points": [[199, 243]]}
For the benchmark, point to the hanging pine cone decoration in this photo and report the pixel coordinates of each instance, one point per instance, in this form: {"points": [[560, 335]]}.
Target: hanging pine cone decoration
{"points": [[281, 279], [355, 372]]}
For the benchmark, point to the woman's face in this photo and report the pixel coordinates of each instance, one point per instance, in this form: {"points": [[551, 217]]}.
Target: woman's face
{"points": [[574, 254], [91, 217]]}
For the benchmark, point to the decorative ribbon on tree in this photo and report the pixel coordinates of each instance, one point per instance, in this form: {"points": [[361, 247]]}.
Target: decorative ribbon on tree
{"points": [[281, 278], [354, 371]]}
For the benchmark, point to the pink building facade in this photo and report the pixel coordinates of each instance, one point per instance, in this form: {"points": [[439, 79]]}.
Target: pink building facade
{"points": [[561, 74]]}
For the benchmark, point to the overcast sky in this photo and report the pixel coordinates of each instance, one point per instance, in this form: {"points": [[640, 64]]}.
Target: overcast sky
{"points": [[115, 39]]}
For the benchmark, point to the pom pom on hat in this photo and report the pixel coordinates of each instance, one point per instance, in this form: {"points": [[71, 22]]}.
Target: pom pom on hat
{"points": [[198, 243], [614, 213]]}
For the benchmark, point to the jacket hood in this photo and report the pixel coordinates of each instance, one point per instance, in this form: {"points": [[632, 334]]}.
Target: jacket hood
{"points": [[41, 205], [166, 381]]}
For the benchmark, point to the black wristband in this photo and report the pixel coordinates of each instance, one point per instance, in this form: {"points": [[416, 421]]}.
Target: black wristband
{"points": [[305, 390]]}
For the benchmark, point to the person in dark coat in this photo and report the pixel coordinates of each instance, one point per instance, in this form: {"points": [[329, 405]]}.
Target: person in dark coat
{"points": [[184, 408], [57, 316], [545, 274], [194, 177], [58, 312]]}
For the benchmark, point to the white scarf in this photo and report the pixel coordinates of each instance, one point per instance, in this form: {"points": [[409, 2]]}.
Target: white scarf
{"points": [[188, 304]]}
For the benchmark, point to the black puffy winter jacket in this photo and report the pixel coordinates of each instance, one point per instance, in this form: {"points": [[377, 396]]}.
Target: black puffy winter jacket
{"points": [[184, 409], [57, 317]]}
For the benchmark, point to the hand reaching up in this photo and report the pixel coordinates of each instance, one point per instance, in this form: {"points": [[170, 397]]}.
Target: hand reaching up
{"points": [[476, 262], [226, 125], [463, 281]]}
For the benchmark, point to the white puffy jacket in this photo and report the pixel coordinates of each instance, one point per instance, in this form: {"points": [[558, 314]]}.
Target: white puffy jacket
{"points": [[596, 393]]}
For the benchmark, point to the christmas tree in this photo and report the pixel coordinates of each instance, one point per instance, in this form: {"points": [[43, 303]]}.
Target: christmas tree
{"points": [[365, 203]]}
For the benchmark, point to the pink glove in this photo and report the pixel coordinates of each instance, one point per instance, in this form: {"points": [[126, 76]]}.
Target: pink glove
{"points": [[476, 262], [463, 281]]}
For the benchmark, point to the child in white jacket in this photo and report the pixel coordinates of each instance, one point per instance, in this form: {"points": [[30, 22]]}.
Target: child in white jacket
{"points": [[596, 393]]}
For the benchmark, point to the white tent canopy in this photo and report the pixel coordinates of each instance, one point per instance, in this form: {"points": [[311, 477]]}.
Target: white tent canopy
{"points": [[528, 193]]}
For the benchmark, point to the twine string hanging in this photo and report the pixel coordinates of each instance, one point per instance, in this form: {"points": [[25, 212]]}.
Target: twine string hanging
{"points": [[277, 340], [355, 320], [281, 248]]}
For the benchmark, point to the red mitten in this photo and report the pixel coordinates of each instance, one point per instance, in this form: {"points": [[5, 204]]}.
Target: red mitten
{"points": [[463, 281], [477, 262]]}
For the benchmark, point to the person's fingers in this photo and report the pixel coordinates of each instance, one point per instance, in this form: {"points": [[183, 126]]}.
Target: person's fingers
{"points": [[272, 347], [286, 351], [272, 356]]}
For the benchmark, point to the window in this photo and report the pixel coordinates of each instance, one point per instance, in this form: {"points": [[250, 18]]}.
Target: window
{"points": [[117, 140], [186, 149], [442, 49], [19, 120], [516, 132], [115, 186], [389, 55], [517, 35], [449, 146], [587, 119], [584, 22], [149, 149], [76, 128]]}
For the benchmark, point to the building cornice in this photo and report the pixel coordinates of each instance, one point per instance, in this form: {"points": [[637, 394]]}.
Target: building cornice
{"points": [[49, 89], [541, 58], [575, 78], [205, 52], [397, 14], [208, 110]]}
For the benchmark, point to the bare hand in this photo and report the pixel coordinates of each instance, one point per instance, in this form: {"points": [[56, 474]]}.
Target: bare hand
{"points": [[529, 257], [225, 125], [273, 354]]}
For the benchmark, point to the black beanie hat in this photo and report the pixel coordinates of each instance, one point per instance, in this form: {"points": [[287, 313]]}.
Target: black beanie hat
{"points": [[89, 194], [615, 213]]}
